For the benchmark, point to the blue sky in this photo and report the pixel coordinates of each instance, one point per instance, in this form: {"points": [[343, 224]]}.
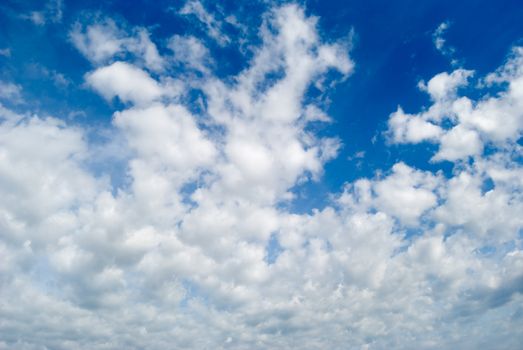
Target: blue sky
{"points": [[246, 174], [392, 46]]}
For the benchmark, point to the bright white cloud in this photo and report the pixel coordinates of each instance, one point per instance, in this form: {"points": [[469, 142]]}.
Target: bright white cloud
{"points": [[166, 135], [443, 86], [406, 193], [177, 255], [460, 125], [129, 83], [459, 143], [408, 128]]}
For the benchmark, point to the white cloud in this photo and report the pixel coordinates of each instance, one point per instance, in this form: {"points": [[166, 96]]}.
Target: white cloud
{"points": [[459, 143], [406, 193], [166, 135], [443, 86], [103, 40], [176, 255], [492, 215], [40, 163], [8, 116], [11, 93], [438, 38], [98, 42], [212, 26], [190, 51], [129, 83], [408, 128], [143, 47], [460, 125], [52, 13], [36, 17]]}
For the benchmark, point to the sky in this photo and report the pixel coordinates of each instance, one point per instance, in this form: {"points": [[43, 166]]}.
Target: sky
{"points": [[261, 174]]}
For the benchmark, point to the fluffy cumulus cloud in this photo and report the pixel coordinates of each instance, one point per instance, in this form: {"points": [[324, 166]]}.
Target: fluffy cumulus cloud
{"points": [[128, 82], [197, 247], [461, 126]]}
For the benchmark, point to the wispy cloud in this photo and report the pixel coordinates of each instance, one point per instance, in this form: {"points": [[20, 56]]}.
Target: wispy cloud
{"points": [[440, 42], [10, 92], [52, 13], [212, 25], [6, 52], [102, 40]]}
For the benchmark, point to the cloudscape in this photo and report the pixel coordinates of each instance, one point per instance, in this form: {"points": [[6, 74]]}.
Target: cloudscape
{"points": [[261, 174]]}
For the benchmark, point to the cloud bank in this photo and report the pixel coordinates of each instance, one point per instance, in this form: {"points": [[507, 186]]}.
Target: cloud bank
{"points": [[197, 247]]}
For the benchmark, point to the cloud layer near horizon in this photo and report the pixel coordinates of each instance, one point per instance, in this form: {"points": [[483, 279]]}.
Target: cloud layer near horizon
{"points": [[196, 249]]}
